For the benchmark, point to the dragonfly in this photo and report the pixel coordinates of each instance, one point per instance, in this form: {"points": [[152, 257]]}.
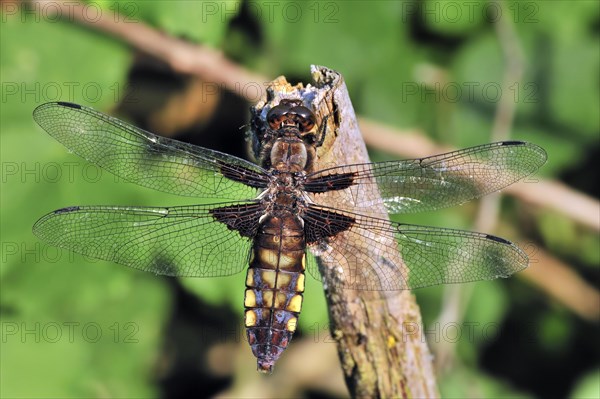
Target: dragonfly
{"points": [[265, 217]]}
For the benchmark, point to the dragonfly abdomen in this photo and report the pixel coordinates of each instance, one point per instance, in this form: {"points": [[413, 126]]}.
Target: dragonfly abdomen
{"points": [[274, 287]]}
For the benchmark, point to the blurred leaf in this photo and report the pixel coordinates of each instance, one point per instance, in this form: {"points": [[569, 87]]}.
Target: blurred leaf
{"points": [[470, 127], [220, 290], [565, 237], [561, 20], [588, 386], [555, 331], [35, 71], [460, 382], [59, 302], [378, 59], [590, 251], [300, 34], [199, 21], [478, 68], [454, 18], [314, 310], [89, 319], [558, 231], [580, 115], [478, 74], [488, 307]]}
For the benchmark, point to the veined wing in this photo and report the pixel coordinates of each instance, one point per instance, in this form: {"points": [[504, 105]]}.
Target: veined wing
{"points": [[430, 183], [183, 241], [366, 254], [146, 159]]}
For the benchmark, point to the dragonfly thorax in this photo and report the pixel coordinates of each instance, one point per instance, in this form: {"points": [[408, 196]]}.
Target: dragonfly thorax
{"points": [[289, 154]]}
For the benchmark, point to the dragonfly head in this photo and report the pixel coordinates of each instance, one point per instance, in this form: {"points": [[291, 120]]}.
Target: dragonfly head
{"points": [[291, 113]]}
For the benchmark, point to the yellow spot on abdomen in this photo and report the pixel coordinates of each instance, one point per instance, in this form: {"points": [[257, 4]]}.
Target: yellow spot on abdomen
{"points": [[250, 278], [267, 297], [250, 318], [280, 300], [295, 304], [250, 299], [283, 280], [268, 278], [291, 324], [300, 283]]}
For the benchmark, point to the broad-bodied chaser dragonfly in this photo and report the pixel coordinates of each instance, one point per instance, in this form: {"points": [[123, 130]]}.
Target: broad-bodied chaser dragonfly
{"points": [[273, 215]]}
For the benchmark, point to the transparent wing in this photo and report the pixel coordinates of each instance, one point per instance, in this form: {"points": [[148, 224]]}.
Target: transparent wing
{"points": [[179, 241], [366, 258], [430, 183], [146, 159]]}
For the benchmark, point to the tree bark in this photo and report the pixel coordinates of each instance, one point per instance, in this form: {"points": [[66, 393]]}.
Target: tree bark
{"points": [[379, 336]]}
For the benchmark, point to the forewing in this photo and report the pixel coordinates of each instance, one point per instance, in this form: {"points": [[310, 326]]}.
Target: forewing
{"points": [[428, 183], [182, 241], [146, 159], [378, 255]]}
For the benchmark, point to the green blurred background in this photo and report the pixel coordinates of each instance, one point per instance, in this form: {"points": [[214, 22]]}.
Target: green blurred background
{"points": [[76, 327]]}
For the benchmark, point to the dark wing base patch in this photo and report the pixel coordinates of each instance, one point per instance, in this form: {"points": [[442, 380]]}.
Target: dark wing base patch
{"points": [[332, 182], [242, 217], [243, 175], [320, 224]]}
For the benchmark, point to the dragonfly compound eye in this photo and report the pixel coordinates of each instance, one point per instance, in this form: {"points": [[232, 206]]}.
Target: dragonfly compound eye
{"points": [[277, 115], [304, 118]]}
